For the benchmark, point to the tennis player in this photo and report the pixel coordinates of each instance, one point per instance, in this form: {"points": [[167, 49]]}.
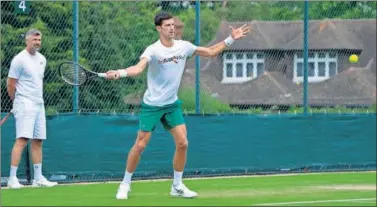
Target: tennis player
{"points": [[25, 88], [166, 59]]}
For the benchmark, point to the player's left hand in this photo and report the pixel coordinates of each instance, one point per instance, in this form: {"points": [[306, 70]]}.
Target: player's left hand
{"points": [[240, 32]]}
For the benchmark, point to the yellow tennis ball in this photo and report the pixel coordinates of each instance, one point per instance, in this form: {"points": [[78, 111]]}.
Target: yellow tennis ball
{"points": [[353, 58]]}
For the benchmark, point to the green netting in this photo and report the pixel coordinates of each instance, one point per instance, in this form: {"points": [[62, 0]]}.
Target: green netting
{"points": [[262, 73], [93, 147]]}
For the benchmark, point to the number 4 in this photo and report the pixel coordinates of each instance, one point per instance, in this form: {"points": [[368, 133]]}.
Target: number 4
{"points": [[22, 5]]}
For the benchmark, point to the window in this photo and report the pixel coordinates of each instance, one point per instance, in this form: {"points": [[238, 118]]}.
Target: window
{"points": [[229, 70], [239, 70], [321, 66], [322, 55], [322, 69], [239, 56], [249, 69], [241, 67], [300, 70], [311, 69]]}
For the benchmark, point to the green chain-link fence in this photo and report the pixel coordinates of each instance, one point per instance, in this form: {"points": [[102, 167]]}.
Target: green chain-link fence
{"points": [[263, 73], [260, 74]]}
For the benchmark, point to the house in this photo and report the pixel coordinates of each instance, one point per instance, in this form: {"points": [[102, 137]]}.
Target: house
{"points": [[266, 67]]}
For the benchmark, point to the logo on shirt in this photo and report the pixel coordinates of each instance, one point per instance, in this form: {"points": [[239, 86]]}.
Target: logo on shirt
{"points": [[174, 59]]}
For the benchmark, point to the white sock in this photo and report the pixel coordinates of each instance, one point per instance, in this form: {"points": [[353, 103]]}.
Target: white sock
{"points": [[13, 171], [177, 177], [37, 171], [127, 177]]}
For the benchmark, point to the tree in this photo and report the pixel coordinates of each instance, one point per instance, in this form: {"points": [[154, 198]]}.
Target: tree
{"points": [[113, 35], [342, 10]]}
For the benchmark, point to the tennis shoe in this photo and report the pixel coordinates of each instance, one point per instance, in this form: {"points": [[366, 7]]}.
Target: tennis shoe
{"points": [[13, 183], [43, 182], [123, 190], [182, 190]]}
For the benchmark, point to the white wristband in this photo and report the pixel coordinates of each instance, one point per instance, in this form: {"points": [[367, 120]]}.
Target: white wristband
{"points": [[229, 41], [122, 73]]}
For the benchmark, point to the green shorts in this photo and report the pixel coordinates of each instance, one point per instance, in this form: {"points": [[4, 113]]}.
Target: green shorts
{"points": [[170, 116]]}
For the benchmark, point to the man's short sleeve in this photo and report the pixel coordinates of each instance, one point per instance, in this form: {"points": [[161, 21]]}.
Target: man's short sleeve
{"points": [[44, 60], [147, 53], [190, 48], [15, 68]]}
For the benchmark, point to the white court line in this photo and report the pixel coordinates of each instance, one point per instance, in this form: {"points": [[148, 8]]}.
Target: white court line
{"points": [[317, 201]]}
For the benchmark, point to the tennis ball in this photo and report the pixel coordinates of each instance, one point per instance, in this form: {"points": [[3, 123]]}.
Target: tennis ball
{"points": [[353, 58]]}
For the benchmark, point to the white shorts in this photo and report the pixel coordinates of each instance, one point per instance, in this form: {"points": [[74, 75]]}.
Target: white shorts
{"points": [[30, 120]]}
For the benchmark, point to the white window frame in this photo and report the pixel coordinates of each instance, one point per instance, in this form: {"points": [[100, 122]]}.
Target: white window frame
{"points": [[316, 59], [244, 62]]}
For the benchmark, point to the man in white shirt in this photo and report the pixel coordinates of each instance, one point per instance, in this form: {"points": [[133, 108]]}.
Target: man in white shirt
{"points": [[166, 59], [25, 88]]}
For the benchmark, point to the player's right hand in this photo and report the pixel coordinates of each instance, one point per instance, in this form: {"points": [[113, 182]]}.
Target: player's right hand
{"points": [[112, 75]]}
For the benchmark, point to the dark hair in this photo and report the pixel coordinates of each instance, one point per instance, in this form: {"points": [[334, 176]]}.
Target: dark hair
{"points": [[161, 17]]}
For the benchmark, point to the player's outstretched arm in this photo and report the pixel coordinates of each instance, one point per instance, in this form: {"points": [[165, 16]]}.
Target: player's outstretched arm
{"points": [[214, 50], [131, 71]]}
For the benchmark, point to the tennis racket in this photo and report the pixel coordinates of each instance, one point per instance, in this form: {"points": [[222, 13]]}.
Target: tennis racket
{"points": [[5, 118], [75, 74]]}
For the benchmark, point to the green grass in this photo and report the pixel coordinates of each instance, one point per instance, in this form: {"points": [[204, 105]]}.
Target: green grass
{"points": [[246, 191]]}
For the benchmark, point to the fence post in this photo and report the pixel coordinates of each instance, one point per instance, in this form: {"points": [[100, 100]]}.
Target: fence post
{"points": [[75, 51], [197, 58], [305, 95]]}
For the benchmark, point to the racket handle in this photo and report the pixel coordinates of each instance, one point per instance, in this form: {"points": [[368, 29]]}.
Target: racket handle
{"points": [[102, 75], [5, 118]]}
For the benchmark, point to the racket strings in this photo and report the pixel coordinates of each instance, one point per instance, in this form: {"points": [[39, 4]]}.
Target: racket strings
{"points": [[73, 74]]}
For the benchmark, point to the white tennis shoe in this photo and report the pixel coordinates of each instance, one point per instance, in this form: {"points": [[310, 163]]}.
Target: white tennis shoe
{"points": [[123, 190], [182, 190], [13, 183], [43, 182]]}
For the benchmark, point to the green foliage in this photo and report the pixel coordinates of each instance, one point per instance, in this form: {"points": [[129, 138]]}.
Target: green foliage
{"points": [[249, 11], [208, 103], [113, 34], [342, 10], [332, 110]]}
